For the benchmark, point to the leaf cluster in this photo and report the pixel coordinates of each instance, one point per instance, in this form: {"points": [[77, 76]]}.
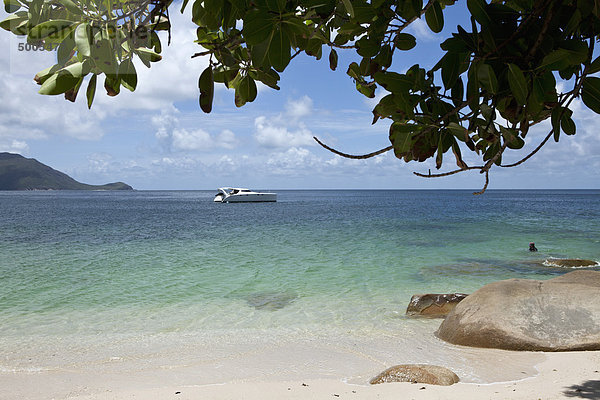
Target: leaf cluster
{"points": [[496, 79], [92, 37]]}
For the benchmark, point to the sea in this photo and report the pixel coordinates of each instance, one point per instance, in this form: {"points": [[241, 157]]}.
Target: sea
{"points": [[314, 284]]}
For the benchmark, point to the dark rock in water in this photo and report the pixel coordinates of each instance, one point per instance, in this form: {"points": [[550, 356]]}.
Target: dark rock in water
{"points": [[560, 314], [570, 263], [433, 305], [417, 373], [270, 300]]}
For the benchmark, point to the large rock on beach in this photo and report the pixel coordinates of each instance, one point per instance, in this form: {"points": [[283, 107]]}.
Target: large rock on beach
{"points": [[417, 373], [433, 305], [560, 314]]}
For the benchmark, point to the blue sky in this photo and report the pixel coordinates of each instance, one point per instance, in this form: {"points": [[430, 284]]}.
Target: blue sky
{"points": [[158, 138]]}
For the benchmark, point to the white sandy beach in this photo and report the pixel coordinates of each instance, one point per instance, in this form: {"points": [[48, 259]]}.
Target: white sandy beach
{"points": [[312, 371], [574, 375]]}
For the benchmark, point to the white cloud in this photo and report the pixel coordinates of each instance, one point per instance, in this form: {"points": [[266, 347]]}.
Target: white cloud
{"points": [[191, 140], [299, 108], [286, 130], [274, 134], [226, 139], [420, 29], [13, 146], [99, 162], [172, 137]]}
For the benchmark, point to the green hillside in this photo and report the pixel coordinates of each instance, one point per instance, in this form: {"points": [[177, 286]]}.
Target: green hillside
{"points": [[20, 173]]}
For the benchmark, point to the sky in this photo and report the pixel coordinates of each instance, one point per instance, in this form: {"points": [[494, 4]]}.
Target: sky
{"points": [[157, 138]]}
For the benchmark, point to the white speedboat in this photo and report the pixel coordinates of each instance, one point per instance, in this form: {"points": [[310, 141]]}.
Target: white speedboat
{"points": [[239, 195]]}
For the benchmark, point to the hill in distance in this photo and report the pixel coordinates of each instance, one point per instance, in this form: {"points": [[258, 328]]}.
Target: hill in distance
{"points": [[20, 173]]}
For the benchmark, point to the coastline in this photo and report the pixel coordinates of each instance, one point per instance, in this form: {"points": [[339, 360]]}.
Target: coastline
{"points": [[560, 375], [291, 367]]}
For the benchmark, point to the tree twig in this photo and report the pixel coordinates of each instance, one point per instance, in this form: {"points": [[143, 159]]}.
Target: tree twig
{"points": [[487, 181], [356, 157], [456, 171]]}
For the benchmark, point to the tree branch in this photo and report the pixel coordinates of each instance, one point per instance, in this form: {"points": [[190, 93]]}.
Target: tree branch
{"points": [[487, 181], [456, 171], [356, 157]]}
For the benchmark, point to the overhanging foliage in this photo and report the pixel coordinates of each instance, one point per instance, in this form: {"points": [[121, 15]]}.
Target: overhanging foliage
{"points": [[496, 79]]}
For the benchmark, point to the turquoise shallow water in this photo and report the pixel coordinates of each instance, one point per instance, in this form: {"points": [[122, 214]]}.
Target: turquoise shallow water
{"points": [[331, 251], [105, 265]]}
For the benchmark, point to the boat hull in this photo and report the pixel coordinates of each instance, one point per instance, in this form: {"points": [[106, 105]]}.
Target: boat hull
{"points": [[250, 198]]}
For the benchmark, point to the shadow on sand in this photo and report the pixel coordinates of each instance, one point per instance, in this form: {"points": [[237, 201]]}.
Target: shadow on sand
{"points": [[585, 390]]}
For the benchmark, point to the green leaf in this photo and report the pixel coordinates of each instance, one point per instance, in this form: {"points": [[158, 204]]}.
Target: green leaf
{"points": [[127, 74], [354, 71], [183, 5], [401, 136], [55, 30], [83, 34], [458, 92], [363, 11], [556, 60], [367, 90], [435, 17], [276, 5], [259, 53], [511, 136], [14, 23], [405, 41], [348, 7], [269, 78], [206, 84], [77, 70], [245, 91], [440, 153], [58, 83], [147, 55], [43, 75], [590, 93], [10, 6], [279, 51], [450, 69], [258, 26], [333, 59], [65, 51], [457, 154], [518, 83], [594, 66], [555, 119], [368, 46], [487, 78], [394, 82], [104, 56], [112, 85], [411, 9], [91, 90], [385, 57], [71, 6], [567, 123], [477, 8]]}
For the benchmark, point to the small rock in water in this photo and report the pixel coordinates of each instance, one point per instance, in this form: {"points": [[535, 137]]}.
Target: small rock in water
{"points": [[270, 300], [417, 373], [570, 263], [433, 305]]}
